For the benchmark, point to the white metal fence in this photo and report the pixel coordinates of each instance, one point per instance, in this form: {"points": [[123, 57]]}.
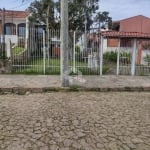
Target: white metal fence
{"points": [[38, 52]]}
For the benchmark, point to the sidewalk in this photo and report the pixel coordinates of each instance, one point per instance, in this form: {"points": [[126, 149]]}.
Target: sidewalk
{"points": [[36, 83]]}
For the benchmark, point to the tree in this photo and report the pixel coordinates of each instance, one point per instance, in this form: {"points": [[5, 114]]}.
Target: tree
{"points": [[80, 12], [43, 12], [103, 19]]}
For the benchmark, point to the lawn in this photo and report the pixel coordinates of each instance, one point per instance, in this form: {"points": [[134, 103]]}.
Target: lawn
{"points": [[52, 67], [17, 50]]}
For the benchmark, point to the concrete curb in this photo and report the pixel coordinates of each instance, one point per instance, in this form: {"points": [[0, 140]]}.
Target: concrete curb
{"points": [[25, 90]]}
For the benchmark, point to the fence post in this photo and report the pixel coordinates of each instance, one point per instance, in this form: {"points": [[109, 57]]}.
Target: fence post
{"points": [[118, 56], [74, 42], [133, 58], [44, 50], [101, 56], [3, 31], [27, 33]]}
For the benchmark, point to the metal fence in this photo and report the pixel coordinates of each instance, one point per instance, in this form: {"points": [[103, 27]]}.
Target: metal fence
{"points": [[38, 52], [134, 59]]}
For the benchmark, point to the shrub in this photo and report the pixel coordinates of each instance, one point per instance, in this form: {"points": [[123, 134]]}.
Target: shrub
{"points": [[125, 57], [3, 55], [110, 56], [77, 49], [147, 58]]}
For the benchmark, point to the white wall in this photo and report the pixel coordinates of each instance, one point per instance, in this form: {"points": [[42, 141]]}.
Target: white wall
{"points": [[144, 53], [12, 38]]}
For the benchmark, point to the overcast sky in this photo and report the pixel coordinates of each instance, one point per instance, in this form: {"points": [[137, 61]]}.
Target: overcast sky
{"points": [[118, 9]]}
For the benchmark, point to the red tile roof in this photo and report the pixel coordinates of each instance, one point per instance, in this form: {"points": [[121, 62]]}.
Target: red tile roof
{"points": [[15, 14], [116, 34]]}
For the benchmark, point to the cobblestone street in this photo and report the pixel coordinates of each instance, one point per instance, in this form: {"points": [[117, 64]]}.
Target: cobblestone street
{"points": [[75, 121]]}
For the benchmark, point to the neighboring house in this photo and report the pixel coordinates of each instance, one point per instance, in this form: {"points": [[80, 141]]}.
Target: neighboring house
{"points": [[137, 26], [14, 26]]}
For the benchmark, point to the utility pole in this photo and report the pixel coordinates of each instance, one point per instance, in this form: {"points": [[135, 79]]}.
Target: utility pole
{"points": [[64, 44]]}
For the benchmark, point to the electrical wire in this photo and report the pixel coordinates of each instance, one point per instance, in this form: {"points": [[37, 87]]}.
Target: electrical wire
{"points": [[21, 5]]}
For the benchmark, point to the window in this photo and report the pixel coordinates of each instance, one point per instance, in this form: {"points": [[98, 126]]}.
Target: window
{"points": [[10, 29], [21, 29], [125, 42]]}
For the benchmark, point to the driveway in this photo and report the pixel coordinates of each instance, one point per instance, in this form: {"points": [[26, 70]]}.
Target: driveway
{"points": [[75, 121]]}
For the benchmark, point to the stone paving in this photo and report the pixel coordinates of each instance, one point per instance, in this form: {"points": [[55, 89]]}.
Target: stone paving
{"points": [[75, 121], [40, 81]]}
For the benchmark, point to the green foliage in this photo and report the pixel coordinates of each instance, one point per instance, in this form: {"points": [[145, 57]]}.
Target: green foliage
{"points": [[147, 58], [110, 56], [79, 57], [17, 50], [36, 67], [125, 57], [2, 52], [3, 55], [78, 11], [41, 11], [81, 11], [125, 54], [105, 69], [77, 49], [102, 18]]}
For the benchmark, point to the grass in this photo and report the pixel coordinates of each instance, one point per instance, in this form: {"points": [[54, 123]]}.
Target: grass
{"points": [[52, 67], [17, 50]]}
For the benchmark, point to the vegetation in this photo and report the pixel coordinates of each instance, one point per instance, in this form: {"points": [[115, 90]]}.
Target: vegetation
{"points": [[80, 11], [103, 19], [17, 50], [2, 52], [147, 59], [110, 56], [125, 57], [53, 68], [3, 55]]}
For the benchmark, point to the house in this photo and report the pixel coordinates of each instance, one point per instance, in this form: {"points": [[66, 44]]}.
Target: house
{"points": [[137, 26], [13, 26]]}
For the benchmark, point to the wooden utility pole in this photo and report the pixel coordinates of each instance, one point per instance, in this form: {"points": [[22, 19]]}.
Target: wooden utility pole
{"points": [[64, 44]]}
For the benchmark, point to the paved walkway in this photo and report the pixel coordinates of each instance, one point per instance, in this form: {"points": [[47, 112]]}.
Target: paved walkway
{"points": [[75, 121], [41, 81]]}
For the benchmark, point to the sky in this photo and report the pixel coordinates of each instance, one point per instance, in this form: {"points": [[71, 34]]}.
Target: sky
{"points": [[118, 9]]}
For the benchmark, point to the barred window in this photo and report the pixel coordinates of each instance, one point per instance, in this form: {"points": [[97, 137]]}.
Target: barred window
{"points": [[21, 29], [10, 29]]}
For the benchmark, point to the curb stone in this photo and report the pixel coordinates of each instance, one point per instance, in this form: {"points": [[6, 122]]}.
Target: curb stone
{"points": [[24, 90]]}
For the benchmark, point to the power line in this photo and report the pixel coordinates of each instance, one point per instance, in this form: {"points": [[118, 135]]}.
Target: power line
{"points": [[21, 5]]}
